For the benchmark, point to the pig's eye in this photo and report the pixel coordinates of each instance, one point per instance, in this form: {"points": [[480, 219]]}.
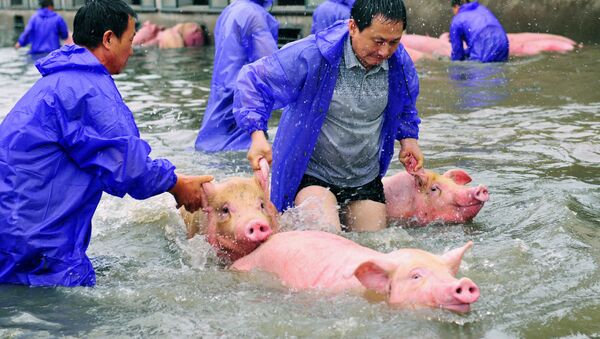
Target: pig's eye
{"points": [[435, 189], [415, 276], [262, 205], [225, 210]]}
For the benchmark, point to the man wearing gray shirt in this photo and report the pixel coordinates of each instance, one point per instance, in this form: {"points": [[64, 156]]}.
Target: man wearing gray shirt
{"points": [[349, 91]]}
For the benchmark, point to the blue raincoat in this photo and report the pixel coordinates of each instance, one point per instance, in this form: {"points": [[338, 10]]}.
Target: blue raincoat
{"points": [[43, 31], [478, 27], [329, 12], [244, 32], [301, 77], [67, 140]]}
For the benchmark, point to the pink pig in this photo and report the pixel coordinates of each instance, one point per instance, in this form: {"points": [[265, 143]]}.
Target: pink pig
{"points": [[407, 278], [237, 215], [426, 196]]}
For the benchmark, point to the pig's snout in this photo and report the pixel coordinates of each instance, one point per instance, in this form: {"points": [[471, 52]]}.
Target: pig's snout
{"points": [[257, 231], [481, 193], [465, 291]]}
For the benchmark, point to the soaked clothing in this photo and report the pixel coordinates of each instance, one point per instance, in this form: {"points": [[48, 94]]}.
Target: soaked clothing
{"points": [[330, 11], [372, 190], [66, 141], [484, 35], [302, 77], [43, 31], [244, 32], [347, 150]]}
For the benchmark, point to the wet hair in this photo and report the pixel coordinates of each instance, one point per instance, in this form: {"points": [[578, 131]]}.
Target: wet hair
{"points": [[363, 12], [458, 2], [96, 17], [46, 3]]}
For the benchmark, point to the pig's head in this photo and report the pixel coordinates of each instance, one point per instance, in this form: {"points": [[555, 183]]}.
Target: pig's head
{"points": [[240, 215], [412, 278], [446, 197], [192, 34]]}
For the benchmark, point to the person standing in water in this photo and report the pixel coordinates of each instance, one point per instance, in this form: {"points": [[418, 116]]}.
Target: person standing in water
{"points": [[44, 30], [245, 32], [349, 92], [483, 34], [67, 140]]}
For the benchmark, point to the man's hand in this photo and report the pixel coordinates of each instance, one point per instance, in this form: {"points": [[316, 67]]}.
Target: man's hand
{"points": [[410, 150], [17, 45], [188, 191], [260, 148]]}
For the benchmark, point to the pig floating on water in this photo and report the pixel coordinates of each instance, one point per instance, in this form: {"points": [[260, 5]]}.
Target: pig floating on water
{"points": [[426, 196], [187, 34], [237, 215], [407, 278]]}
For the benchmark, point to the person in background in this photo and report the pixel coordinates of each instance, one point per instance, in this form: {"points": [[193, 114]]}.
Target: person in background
{"points": [[349, 92], [483, 34], [329, 12], [44, 30], [244, 32], [66, 141]]}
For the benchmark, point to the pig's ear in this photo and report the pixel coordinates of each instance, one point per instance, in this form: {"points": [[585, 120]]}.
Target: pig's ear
{"points": [[453, 257], [262, 176], [375, 275], [420, 179], [208, 189], [458, 176]]}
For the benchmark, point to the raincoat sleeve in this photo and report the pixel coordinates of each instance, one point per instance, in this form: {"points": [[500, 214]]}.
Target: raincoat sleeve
{"points": [[25, 37], [110, 148], [267, 84], [456, 40], [409, 117], [63, 30], [263, 43]]}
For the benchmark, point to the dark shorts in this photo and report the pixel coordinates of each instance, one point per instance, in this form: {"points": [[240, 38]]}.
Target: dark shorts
{"points": [[369, 191]]}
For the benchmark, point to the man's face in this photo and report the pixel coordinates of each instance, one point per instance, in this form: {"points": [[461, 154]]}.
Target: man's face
{"points": [[377, 42], [121, 48]]}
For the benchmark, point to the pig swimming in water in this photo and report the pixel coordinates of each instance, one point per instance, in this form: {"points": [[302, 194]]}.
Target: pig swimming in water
{"points": [[236, 216], [425, 197], [408, 278]]}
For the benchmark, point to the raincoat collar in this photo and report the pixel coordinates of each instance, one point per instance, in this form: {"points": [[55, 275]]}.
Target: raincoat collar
{"points": [[46, 13], [348, 3], [330, 41], [70, 57], [469, 6], [266, 4]]}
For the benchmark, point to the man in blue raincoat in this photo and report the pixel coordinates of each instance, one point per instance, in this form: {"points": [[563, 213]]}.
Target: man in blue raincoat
{"points": [[483, 34], [349, 92], [67, 140], [329, 12], [44, 30], [244, 32]]}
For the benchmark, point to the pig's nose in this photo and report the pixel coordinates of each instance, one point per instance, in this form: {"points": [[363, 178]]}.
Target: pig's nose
{"points": [[465, 291], [481, 193], [258, 230]]}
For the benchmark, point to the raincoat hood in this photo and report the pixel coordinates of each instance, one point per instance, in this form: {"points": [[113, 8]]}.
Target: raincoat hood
{"points": [[330, 11], [46, 13], [70, 57], [266, 4]]}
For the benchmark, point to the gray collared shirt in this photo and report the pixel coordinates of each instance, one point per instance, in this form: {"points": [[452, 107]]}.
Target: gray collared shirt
{"points": [[347, 150]]}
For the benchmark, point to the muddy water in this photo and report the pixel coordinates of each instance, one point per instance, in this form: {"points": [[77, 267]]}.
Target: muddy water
{"points": [[528, 129]]}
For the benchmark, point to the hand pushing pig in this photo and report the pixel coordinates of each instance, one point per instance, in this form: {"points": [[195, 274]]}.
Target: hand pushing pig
{"points": [[425, 196], [408, 278], [237, 215]]}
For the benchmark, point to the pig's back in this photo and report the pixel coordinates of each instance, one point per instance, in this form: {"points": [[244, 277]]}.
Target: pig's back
{"points": [[309, 259]]}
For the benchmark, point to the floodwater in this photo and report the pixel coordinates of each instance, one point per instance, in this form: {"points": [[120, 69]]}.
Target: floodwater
{"points": [[528, 129]]}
